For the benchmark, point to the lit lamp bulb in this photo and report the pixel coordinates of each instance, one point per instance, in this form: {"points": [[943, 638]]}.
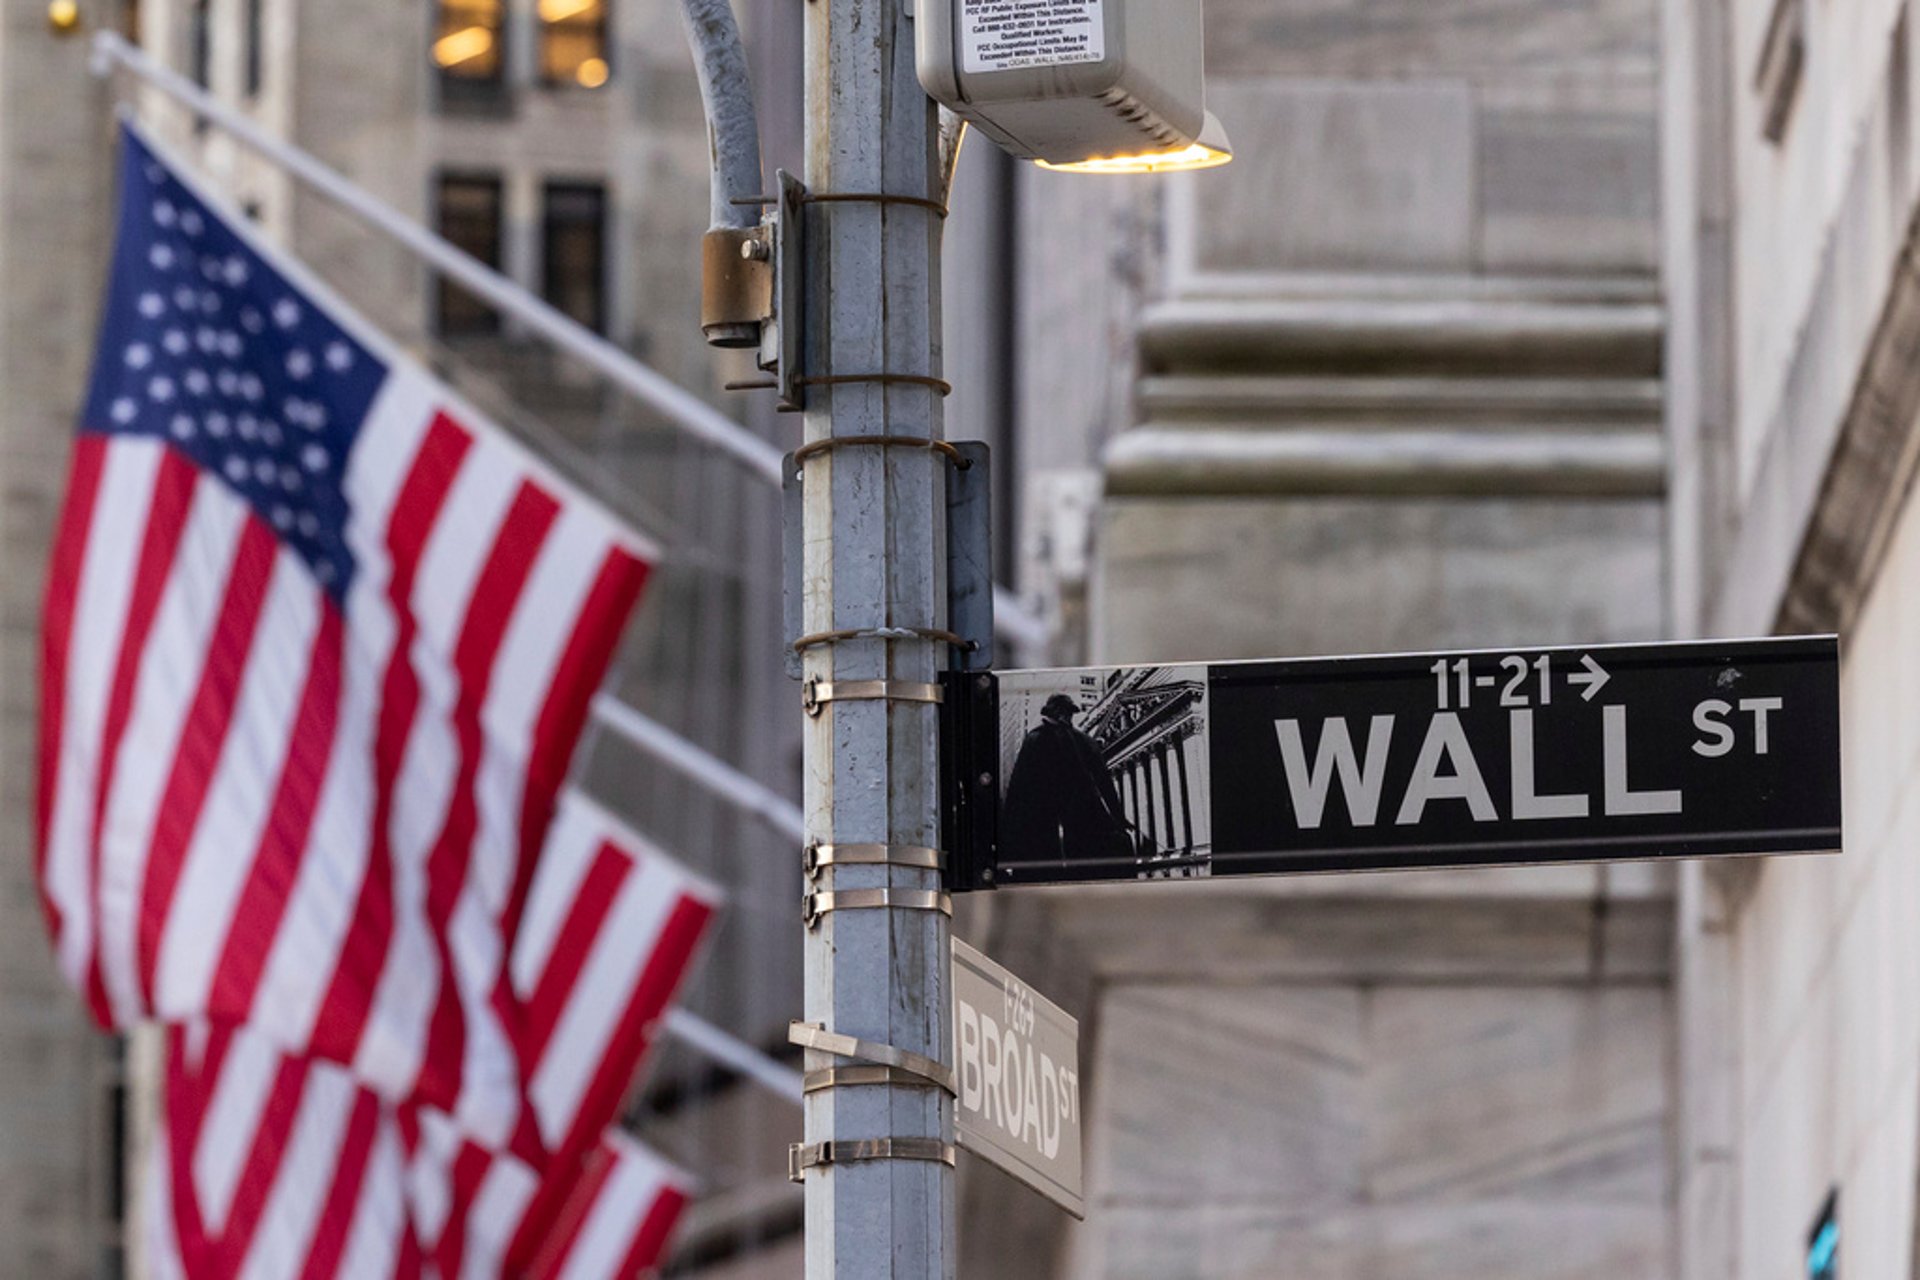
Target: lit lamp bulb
{"points": [[1209, 151], [64, 17]]}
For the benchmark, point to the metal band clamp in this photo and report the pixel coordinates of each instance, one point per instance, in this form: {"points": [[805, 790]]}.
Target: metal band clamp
{"points": [[927, 380], [925, 1070], [875, 197], [946, 448], [815, 1155], [850, 197], [917, 857], [820, 692], [935, 634], [829, 1078], [826, 901]]}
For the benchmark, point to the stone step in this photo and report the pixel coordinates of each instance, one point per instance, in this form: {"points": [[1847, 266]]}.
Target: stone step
{"points": [[1401, 337], [1200, 462], [1253, 401]]}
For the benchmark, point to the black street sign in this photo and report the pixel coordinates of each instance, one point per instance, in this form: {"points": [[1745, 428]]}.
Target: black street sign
{"points": [[1422, 760]]}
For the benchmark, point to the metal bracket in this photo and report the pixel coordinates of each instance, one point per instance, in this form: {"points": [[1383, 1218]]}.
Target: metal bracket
{"points": [[970, 779], [789, 294], [826, 901], [809, 1035], [970, 555], [917, 857], [815, 1155], [820, 692]]}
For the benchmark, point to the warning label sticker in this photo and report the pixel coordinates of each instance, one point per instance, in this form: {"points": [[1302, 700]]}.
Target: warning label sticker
{"points": [[1002, 35]]}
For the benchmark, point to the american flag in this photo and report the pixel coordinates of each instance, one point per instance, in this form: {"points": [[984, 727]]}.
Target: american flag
{"points": [[330, 1181], [319, 643], [272, 1165]]}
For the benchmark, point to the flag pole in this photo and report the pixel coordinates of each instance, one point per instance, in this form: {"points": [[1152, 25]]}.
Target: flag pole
{"points": [[678, 406], [714, 775], [731, 1051]]}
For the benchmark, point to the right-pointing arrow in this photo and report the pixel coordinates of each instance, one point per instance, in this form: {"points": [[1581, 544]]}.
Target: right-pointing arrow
{"points": [[1595, 677]]}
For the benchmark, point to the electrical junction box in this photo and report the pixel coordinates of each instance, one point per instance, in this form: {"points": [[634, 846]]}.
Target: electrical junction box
{"points": [[1115, 85]]}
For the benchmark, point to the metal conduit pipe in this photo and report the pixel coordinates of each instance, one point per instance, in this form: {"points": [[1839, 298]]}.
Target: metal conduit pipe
{"points": [[733, 125]]}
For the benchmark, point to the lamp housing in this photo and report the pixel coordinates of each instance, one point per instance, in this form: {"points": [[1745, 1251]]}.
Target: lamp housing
{"points": [[1090, 85]]}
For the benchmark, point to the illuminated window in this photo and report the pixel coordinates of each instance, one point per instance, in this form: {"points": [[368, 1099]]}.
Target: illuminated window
{"points": [[573, 42], [469, 42], [469, 211], [575, 267]]}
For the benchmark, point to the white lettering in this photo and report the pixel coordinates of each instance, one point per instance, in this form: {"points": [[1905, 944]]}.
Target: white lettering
{"points": [[1446, 740], [1014, 1094], [1050, 1108], [969, 1057], [1309, 787], [1527, 804], [1034, 1125], [1760, 707], [993, 1098], [1622, 801], [1704, 719]]}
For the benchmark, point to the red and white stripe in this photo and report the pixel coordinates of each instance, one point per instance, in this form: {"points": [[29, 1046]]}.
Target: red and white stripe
{"points": [[618, 1217], [270, 1167], [610, 930], [257, 806], [261, 1142]]}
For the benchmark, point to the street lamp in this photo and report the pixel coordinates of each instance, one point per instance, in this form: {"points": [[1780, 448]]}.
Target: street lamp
{"points": [[1083, 86]]}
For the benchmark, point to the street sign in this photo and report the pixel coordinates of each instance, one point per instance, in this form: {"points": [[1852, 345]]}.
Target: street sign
{"points": [[1017, 1063], [1421, 760]]}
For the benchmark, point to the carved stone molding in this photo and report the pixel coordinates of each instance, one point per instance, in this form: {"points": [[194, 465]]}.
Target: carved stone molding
{"points": [[1783, 60], [1872, 467]]}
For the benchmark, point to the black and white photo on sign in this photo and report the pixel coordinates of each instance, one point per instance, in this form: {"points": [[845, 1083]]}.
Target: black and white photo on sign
{"points": [[1107, 766]]}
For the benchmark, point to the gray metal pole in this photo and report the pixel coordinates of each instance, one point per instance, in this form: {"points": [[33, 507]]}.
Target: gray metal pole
{"points": [[875, 556]]}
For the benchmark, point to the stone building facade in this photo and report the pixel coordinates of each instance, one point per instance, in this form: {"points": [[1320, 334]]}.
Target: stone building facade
{"points": [[1393, 380], [1792, 198]]}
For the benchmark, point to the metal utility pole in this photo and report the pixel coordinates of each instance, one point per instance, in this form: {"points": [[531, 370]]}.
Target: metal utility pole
{"points": [[878, 1153]]}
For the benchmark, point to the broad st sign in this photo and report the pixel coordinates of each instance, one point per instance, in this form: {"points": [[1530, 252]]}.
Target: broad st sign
{"points": [[1017, 1070], [1427, 760]]}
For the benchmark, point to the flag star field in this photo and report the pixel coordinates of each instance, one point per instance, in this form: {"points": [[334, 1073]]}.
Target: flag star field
{"points": [[219, 354]]}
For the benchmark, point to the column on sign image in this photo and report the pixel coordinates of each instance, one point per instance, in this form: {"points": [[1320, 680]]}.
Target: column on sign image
{"points": [[1147, 723]]}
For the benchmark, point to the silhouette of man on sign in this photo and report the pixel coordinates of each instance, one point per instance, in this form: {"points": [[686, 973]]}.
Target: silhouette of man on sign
{"points": [[1061, 802]]}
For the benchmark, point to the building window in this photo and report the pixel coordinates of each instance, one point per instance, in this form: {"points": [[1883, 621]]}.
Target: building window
{"points": [[469, 209], [573, 42], [469, 42], [575, 236], [256, 20], [200, 44]]}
